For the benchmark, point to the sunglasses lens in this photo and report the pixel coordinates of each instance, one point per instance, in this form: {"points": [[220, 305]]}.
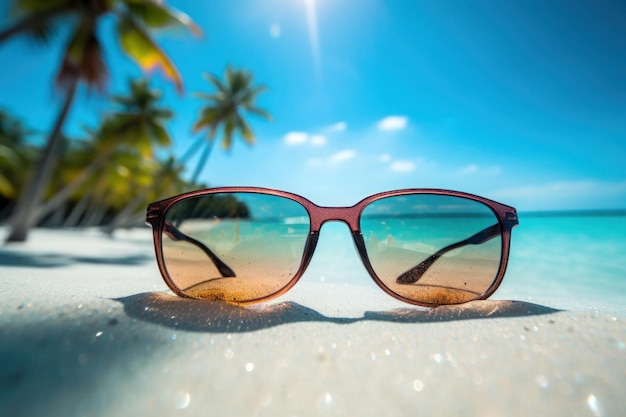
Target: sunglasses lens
{"points": [[433, 249], [235, 247]]}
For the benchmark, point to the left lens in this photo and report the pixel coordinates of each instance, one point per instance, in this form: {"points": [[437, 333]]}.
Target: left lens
{"points": [[234, 246], [433, 249]]}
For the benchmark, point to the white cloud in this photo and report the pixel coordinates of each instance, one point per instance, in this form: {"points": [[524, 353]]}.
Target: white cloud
{"points": [[318, 140], [391, 123], [406, 165], [337, 127], [402, 166], [334, 159], [342, 156], [301, 138], [296, 138]]}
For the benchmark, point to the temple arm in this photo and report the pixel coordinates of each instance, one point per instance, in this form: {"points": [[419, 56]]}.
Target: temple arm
{"points": [[414, 274], [173, 233]]}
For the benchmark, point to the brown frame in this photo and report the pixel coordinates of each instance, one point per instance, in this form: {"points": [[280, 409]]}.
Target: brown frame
{"points": [[506, 215]]}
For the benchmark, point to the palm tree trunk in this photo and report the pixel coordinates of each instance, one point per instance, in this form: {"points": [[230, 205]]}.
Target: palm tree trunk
{"points": [[96, 216], [122, 217], [202, 162], [66, 192], [33, 192], [96, 211], [90, 208], [191, 150], [61, 196], [77, 211], [56, 220]]}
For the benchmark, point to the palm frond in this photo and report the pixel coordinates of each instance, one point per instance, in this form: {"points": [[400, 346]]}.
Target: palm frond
{"points": [[245, 130], [208, 97], [163, 114], [6, 188], [160, 135], [38, 20], [234, 96], [229, 128], [215, 81], [209, 118], [140, 46], [83, 59], [259, 112], [156, 15]]}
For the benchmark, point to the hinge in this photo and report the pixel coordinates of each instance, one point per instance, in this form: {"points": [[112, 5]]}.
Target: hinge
{"points": [[153, 214], [511, 218]]}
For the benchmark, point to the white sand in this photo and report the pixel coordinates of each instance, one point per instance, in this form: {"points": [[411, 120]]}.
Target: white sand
{"points": [[87, 327]]}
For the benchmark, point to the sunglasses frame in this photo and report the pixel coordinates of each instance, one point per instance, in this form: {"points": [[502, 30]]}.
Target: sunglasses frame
{"points": [[506, 215]]}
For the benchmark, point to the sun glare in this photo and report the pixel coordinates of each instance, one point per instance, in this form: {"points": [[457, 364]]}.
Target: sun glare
{"points": [[311, 18]]}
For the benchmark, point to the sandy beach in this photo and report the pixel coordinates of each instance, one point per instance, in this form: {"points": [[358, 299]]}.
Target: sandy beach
{"points": [[88, 328]]}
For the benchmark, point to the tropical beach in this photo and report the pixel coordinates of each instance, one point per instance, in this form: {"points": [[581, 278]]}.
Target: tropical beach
{"points": [[110, 108], [89, 328]]}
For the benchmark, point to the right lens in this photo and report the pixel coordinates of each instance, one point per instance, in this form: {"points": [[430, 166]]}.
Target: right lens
{"points": [[234, 246], [431, 248]]}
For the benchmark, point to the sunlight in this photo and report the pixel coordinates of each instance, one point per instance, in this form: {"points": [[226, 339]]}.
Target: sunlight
{"points": [[311, 17]]}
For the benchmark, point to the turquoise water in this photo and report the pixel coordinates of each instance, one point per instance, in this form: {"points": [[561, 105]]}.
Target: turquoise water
{"points": [[566, 261], [575, 258]]}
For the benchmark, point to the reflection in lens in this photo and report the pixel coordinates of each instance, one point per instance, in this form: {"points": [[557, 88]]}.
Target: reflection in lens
{"points": [[234, 247], [433, 249]]}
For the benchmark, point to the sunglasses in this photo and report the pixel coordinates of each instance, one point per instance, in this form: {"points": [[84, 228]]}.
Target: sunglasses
{"points": [[245, 245]]}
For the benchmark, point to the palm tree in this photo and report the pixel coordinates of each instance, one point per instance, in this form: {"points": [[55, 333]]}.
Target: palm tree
{"points": [[139, 125], [106, 190], [114, 186], [164, 180], [17, 156], [14, 154], [83, 61], [233, 97]]}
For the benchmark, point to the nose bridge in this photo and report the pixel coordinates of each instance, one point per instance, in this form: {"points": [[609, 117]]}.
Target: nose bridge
{"points": [[348, 215]]}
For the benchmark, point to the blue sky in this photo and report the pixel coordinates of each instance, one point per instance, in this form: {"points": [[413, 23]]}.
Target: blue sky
{"points": [[520, 101]]}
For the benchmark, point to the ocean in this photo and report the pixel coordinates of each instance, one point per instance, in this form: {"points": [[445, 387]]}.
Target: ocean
{"points": [[570, 260]]}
